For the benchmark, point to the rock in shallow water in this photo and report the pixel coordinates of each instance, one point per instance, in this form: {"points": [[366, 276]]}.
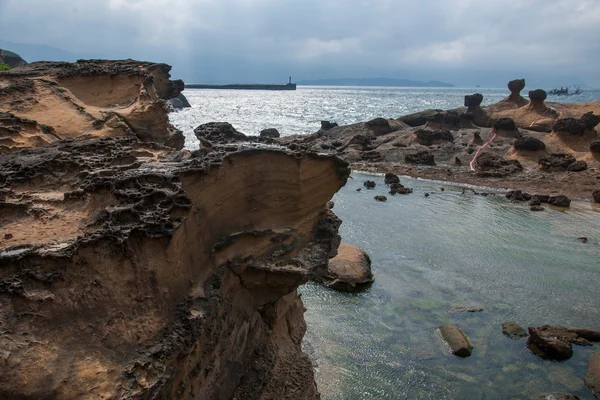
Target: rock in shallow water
{"points": [[592, 376], [349, 270], [513, 330], [457, 340], [556, 396]]}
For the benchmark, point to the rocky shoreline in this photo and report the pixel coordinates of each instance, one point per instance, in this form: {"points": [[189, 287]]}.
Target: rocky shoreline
{"points": [[123, 273]]}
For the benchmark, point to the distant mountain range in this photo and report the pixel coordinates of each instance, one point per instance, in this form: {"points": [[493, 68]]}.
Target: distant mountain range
{"points": [[373, 82]]}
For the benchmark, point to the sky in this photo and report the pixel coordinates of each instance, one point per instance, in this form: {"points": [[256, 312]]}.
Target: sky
{"points": [[465, 42]]}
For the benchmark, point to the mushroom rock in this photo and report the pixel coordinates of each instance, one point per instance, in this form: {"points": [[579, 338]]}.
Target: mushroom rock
{"points": [[473, 104], [590, 120], [473, 101], [159, 274], [506, 127], [515, 86], [536, 100]]}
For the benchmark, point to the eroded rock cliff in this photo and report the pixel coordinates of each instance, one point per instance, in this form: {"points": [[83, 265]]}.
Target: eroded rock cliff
{"points": [[86, 99], [129, 270]]}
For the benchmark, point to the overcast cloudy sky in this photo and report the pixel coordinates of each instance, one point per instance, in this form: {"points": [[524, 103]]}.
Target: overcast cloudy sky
{"points": [[460, 41]]}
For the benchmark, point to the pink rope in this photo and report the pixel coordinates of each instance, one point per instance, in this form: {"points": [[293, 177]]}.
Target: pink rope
{"points": [[472, 164]]}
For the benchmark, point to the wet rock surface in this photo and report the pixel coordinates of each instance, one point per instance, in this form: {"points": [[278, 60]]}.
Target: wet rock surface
{"points": [[555, 342], [513, 330], [592, 375], [349, 270], [457, 340], [123, 258]]}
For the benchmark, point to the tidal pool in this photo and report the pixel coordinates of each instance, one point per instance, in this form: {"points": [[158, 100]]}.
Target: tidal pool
{"points": [[450, 249]]}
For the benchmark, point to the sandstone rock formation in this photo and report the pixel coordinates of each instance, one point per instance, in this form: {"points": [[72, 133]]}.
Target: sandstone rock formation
{"points": [[349, 270], [124, 275], [86, 99]]}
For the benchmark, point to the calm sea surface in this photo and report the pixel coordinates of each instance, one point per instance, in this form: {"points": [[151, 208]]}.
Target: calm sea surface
{"points": [[429, 255]]}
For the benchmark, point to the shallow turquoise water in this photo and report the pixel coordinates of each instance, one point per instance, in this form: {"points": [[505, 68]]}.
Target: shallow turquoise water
{"points": [[453, 249]]}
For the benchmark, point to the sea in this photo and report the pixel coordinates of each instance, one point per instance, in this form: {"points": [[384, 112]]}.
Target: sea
{"points": [[454, 248]]}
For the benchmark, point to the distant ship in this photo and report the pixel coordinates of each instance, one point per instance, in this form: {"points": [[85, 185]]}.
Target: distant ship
{"points": [[564, 91], [244, 86]]}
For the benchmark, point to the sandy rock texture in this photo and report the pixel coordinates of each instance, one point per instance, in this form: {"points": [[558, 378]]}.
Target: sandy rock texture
{"points": [[44, 102], [130, 270]]}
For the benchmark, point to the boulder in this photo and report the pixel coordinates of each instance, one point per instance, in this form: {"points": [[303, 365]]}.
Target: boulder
{"points": [[396, 188], [489, 165], [577, 166], [592, 376], [269, 133], [369, 184], [428, 137], [419, 118], [529, 143], [513, 330], [379, 126], [391, 178], [555, 342], [218, 133], [559, 201], [184, 101], [349, 270], [542, 197], [453, 120], [556, 396], [556, 162], [596, 195], [326, 125], [536, 208], [421, 158], [380, 198], [457, 340]]}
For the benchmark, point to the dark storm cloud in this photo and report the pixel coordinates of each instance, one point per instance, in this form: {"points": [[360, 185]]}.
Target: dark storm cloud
{"points": [[312, 38]]}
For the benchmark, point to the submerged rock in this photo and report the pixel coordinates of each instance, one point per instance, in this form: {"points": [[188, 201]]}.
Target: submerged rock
{"points": [[369, 184], [380, 198], [592, 376], [556, 396], [349, 270], [513, 330], [457, 340], [555, 342]]}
